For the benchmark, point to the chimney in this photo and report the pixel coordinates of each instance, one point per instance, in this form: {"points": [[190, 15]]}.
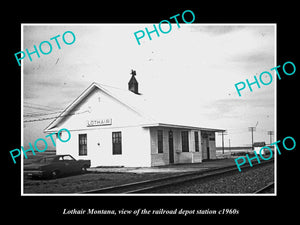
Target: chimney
{"points": [[133, 84]]}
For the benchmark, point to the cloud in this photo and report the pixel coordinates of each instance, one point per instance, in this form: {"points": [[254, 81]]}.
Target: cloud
{"points": [[217, 29], [254, 57]]}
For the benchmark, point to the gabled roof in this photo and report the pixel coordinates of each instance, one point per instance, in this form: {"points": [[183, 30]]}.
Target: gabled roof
{"points": [[132, 80], [127, 98], [135, 102]]}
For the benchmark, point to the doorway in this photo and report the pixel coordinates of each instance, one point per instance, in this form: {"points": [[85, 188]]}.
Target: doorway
{"points": [[207, 148], [171, 148]]}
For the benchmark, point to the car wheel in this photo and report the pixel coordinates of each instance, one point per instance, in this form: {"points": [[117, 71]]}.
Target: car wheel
{"points": [[84, 169], [54, 174]]}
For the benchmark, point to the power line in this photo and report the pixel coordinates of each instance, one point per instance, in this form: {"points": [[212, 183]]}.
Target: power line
{"points": [[55, 117], [35, 107], [39, 108], [41, 114], [39, 105]]}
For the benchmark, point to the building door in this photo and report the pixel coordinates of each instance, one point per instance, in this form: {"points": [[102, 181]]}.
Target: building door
{"points": [[171, 147], [207, 147], [117, 143]]}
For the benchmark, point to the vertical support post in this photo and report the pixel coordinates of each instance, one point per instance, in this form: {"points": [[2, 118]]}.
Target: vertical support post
{"points": [[223, 142], [252, 129], [271, 134], [229, 147]]}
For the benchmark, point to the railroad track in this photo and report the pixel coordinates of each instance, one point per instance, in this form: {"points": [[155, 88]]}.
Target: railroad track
{"points": [[152, 185], [265, 189]]}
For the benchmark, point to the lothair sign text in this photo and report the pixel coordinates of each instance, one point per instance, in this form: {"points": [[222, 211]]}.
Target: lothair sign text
{"points": [[100, 122]]}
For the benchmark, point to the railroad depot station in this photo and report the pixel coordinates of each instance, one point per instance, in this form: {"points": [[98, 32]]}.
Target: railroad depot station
{"points": [[112, 127]]}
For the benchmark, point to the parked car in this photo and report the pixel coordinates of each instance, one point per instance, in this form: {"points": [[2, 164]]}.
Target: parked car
{"points": [[55, 166]]}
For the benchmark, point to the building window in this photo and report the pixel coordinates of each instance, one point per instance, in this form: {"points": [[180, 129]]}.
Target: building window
{"points": [[185, 141], [82, 144], [196, 141], [117, 143], [160, 141]]}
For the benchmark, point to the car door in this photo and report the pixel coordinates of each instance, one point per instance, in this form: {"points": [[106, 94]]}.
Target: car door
{"points": [[60, 165], [70, 164]]}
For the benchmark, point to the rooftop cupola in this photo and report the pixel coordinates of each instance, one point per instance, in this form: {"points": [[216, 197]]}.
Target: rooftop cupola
{"points": [[133, 84]]}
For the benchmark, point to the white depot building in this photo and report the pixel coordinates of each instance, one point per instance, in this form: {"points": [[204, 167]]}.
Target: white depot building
{"points": [[111, 127]]}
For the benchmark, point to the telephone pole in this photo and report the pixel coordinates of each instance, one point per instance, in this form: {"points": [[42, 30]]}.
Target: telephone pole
{"points": [[222, 133], [271, 133], [252, 129], [229, 147]]}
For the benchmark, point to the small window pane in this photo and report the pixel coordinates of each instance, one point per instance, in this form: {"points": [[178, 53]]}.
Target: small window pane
{"points": [[82, 144], [160, 141]]}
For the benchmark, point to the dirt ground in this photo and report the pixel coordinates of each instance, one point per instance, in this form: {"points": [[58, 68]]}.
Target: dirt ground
{"points": [[84, 182], [81, 182], [105, 177]]}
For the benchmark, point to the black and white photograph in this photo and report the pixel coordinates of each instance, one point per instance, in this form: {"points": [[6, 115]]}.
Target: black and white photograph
{"points": [[179, 113], [139, 112]]}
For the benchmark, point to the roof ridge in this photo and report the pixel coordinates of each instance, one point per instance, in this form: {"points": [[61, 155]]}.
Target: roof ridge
{"points": [[101, 84]]}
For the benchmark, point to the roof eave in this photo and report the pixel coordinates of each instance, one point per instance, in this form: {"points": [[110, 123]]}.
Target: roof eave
{"points": [[182, 127]]}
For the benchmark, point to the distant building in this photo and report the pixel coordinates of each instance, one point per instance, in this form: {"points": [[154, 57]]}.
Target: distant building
{"points": [[111, 127], [258, 145]]}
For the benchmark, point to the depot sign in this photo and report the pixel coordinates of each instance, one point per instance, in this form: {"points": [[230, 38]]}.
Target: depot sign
{"points": [[100, 122]]}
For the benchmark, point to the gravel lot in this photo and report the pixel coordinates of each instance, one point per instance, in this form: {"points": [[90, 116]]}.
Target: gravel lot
{"points": [[243, 182], [84, 182]]}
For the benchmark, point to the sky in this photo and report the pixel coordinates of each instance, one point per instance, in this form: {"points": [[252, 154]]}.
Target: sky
{"points": [[189, 73]]}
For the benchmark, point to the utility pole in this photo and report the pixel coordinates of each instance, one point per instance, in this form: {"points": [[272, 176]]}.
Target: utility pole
{"points": [[271, 133], [252, 129], [229, 147], [222, 133]]}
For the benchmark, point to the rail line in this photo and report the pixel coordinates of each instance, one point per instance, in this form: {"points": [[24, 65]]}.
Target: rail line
{"points": [[154, 184], [265, 189]]}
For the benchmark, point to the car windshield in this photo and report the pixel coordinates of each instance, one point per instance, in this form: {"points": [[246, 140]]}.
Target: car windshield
{"points": [[68, 157]]}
